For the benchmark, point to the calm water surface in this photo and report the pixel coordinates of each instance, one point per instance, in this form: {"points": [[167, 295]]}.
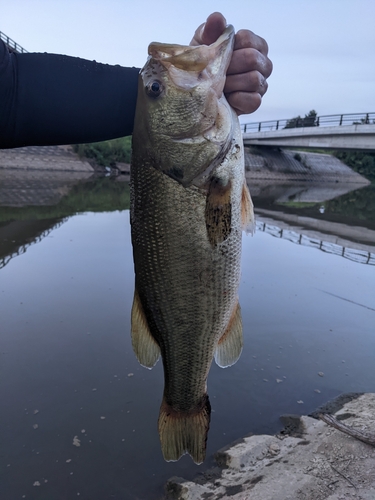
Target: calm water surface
{"points": [[68, 375]]}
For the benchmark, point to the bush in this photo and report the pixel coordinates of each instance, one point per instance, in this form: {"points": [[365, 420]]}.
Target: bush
{"points": [[106, 153], [362, 162]]}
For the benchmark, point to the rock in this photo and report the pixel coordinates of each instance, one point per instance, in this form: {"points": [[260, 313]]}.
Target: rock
{"points": [[321, 463]]}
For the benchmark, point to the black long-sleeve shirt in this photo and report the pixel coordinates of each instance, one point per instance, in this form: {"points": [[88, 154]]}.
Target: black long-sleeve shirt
{"points": [[48, 99]]}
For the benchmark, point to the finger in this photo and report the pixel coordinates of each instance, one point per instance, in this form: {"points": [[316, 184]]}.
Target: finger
{"points": [[247, 39], [209, 31], [252, 81], [244, 102], [244, 60]]}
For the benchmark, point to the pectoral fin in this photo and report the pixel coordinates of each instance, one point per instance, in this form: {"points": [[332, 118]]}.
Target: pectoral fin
{"points": [[218, 211], [230, 345], [145, 346], [247, 211]]}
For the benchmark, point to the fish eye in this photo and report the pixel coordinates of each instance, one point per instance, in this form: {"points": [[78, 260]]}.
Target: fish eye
{"points": [[154, 89]]}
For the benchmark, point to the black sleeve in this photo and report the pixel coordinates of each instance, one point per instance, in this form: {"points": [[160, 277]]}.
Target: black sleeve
{"points": [[48, 99]]}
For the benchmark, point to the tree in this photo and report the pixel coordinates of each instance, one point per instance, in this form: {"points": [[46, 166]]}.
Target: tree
{"points": [[310, 120]]}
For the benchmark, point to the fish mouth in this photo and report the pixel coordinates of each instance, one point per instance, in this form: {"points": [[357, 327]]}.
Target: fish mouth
{"points": [[194, 73], [189, 65]]}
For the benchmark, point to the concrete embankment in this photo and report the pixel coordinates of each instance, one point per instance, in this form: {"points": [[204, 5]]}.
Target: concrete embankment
{"points": [[39, 175], [48, 158], [267, 163], [284, 165], [309, 460]]}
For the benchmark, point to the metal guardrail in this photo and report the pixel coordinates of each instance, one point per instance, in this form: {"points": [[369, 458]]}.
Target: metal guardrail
{"points": [[317, 121], [12, 44], [360, 256]]}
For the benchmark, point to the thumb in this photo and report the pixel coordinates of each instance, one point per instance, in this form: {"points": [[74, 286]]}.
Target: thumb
{"points": [[209, 31]]}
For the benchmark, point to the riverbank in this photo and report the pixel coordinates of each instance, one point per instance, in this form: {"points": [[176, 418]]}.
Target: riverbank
{"points": [[275, 164], [265, 164], [45, 158], [308, 460]]}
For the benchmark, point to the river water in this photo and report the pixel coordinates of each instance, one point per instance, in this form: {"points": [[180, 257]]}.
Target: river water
{"points": [[79, 414]]}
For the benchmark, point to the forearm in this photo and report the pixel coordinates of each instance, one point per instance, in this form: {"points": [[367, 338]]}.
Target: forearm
{"points": [[52, 99]]}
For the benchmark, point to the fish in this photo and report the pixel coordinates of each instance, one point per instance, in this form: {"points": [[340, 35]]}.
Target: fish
{"points": [[189, 203]]}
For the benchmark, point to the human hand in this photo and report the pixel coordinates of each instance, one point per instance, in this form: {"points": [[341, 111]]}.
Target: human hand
{"points": [[248, 69]]}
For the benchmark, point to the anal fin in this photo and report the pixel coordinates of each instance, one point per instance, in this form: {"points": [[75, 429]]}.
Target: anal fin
{"points": [[145, 346], [184, 432], [247, 211], [230, 345]]}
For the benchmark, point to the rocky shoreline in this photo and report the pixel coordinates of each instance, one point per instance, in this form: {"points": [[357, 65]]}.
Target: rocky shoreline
{"points": [[308, 460]]}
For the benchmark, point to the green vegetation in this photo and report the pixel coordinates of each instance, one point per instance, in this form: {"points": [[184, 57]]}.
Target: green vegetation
{"points": [[308, 121], [297, 204], [106, 153], [357, 205], [360, 161], [99, 195]]}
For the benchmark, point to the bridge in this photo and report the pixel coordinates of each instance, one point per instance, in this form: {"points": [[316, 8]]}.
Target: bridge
{"points": [[11, 44], [354, 131]]}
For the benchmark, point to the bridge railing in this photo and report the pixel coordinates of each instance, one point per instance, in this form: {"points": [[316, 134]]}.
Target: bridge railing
{"points": [[310, 121], [11, 43]]}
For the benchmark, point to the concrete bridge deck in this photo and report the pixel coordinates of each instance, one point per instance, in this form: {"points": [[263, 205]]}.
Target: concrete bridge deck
{"points": [[350, 137]]}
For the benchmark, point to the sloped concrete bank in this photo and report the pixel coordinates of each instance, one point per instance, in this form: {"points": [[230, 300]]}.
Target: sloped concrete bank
{"points": [[47, 158], [309, 460], [285, 165], [266, 163]]}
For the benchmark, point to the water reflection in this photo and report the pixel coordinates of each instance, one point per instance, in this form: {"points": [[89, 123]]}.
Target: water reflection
{"points": [[363, 257], [66, 358], [32, 204], [311, 192], [20, 188], [17, 236]]}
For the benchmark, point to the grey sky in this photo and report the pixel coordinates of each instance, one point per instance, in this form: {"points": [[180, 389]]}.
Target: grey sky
{"points": [[323, 50]]}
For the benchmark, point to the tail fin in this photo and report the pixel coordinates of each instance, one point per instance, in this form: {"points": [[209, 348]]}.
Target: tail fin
{"points": [[184, 432]]}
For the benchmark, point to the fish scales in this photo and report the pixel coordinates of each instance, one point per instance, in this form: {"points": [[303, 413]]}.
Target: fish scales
{"points": [[189, 204], [187, 288]]}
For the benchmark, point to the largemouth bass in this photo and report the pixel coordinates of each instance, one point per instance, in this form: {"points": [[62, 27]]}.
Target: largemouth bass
{"points": [[189, 204]]}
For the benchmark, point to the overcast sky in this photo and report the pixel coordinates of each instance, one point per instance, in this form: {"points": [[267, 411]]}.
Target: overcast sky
{"points": [[323, 50]]}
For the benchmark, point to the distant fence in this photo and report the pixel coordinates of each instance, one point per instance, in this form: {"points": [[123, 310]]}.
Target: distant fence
{"points": [[311, 121], [11, 43], [360, 256]]}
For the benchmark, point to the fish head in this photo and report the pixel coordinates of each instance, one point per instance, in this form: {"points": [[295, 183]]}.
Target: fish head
{"points": [[183, 120]]}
